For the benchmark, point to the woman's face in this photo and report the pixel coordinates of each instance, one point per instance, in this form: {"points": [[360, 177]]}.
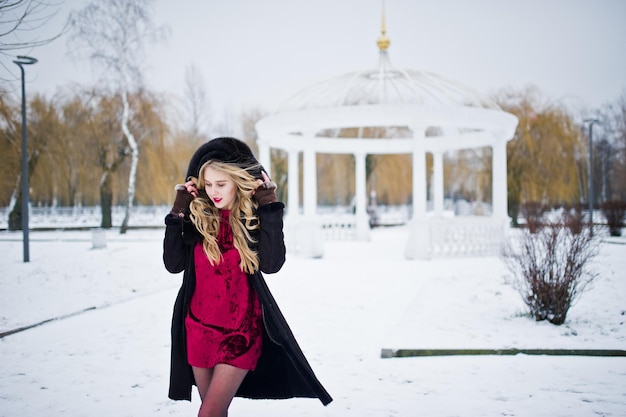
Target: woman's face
{"points": [[220, 188]]}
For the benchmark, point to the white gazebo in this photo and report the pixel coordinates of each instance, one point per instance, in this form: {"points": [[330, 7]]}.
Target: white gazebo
{"points": [[421, 113]]}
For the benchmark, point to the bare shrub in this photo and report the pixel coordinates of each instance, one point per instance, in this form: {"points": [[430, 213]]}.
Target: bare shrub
{"points": [[533, 212], [614, 212], [551, 268], [574, 218]]}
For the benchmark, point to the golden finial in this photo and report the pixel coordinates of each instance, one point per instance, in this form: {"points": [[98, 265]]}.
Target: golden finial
{"points": [[383, 41]]}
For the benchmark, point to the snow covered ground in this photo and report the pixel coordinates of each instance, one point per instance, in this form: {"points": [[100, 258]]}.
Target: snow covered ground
{"points": [[109, 353]]}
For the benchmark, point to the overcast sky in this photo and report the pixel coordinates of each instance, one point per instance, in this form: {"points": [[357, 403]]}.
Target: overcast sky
{"points": [[256, 53]]}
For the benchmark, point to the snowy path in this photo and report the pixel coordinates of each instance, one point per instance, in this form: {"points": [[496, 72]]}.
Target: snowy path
{"points": [[114, 362]]}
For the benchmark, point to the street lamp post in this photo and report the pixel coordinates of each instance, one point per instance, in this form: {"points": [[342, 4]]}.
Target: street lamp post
{"points": [[21, 61], [590, 172]]}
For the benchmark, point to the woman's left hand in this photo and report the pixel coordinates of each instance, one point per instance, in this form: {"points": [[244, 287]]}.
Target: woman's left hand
{"points": [[266, 182]]}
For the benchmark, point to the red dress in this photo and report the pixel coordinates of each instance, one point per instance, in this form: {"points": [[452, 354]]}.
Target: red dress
{"points": [[224, 321]]}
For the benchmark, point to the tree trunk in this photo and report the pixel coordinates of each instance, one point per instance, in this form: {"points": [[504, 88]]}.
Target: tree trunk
{"points": [[15, 216], [134, 152], [106, 200], [513, 209]]}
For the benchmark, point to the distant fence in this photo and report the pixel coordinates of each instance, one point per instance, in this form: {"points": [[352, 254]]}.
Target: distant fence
{"points": [[88, 217], [338, 223], [465, 236], [338, 227]]}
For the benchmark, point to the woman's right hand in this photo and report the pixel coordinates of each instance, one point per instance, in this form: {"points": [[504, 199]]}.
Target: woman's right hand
{"points": [[185, 193], [190, 186]]}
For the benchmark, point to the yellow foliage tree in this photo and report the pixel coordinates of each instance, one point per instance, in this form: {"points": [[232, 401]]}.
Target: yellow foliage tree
{"points": [[543, 159]]}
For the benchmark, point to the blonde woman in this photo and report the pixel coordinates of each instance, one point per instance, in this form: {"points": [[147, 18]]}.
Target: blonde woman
{"points": [[228, 336]]}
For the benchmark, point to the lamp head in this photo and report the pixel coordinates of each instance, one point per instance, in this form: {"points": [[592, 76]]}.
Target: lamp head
{"points": [[25, 60]]}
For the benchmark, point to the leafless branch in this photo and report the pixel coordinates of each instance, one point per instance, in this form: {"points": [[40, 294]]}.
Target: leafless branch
{"points": [[23, 25]]}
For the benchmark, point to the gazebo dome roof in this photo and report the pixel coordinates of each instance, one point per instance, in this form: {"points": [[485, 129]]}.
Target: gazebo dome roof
{"points": [[405, 103], [386, 85]]}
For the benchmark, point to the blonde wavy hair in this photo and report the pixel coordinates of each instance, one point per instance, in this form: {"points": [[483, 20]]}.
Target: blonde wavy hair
{"points": [[206, 217]]}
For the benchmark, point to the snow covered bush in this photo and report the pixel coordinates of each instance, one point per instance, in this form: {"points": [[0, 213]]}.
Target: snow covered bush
{"points": [[551, 267], [574, 218], [533, 212], [614, 212]]}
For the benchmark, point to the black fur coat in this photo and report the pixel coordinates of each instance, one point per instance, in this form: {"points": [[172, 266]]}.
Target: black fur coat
{"points": [[282, 371]]}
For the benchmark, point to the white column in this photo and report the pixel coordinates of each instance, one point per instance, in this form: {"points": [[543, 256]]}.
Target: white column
{"points": [[308, 237], [499, 185], [419, 238], [420, 196], [310, 182], [293, 183], [499, 213], [362, 218], [438, 183], [265, 157]]}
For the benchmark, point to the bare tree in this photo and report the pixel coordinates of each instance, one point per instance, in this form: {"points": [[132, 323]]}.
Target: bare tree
{"points": [[227, 126], [197, 104], [23, 25], [610, 150], [112, 34]]}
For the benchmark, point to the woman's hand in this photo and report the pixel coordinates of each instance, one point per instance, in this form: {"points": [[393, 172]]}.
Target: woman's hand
{"points": [[265, 192], [190, 186], [185, 193]]}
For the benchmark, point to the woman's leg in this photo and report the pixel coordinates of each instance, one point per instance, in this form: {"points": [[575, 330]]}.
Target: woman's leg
{"points": [[202, 377], [223, 385]]}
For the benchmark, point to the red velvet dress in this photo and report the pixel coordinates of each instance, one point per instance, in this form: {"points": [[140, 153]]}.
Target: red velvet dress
{"points": [[224, 321]]}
